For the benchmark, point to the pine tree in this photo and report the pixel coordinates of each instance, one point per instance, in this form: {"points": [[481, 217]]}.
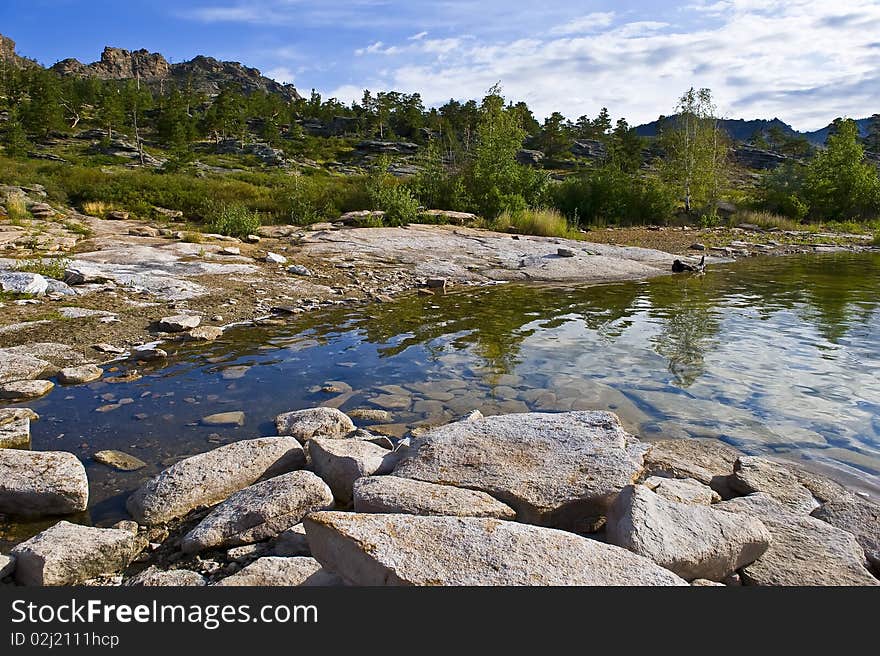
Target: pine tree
{"points": [[15, 141], [872, 139]]}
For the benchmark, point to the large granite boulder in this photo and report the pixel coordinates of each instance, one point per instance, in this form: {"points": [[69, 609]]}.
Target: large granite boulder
{"points": [[314, 422], [708, 461], [692, 540], [859, 517], [207, 478], [803, 550], [753, 474], [39, 483], [341, 462], [395, 495], [412, 550], [260, 512], [67, 554], [560, 470]]}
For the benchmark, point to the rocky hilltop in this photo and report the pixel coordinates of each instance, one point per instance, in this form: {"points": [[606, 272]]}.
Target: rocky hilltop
{"points": [[8, 54], [204, 74]]}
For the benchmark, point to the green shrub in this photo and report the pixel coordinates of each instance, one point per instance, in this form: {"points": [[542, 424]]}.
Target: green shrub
{"points": [[401, 207], [232, 219], [541, 222], [49, 267]]}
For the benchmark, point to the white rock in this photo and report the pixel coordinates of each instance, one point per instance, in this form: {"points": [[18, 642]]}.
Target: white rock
{"points": [[207, 478], [20, 282], [38, 483], [274, 258], [20, 366], [179, 323], [462, 551], [25, 389], [753, 474]]}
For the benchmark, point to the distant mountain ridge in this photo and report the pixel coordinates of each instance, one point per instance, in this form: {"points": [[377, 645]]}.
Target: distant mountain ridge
{"points": [[742, 130], [200, 74]]}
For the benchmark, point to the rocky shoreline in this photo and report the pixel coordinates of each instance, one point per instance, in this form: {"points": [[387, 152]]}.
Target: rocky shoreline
{"points": [[519, 499]]}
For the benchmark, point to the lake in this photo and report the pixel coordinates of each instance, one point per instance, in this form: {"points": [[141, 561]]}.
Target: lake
{"points": [[777, 356]]}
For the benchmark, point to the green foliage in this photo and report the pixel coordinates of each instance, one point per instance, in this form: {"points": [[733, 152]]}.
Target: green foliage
{"points": [[543, 222], [555, 139], [609, 195], [232, 219], [401, 207], [15, 141], [782, 192]]}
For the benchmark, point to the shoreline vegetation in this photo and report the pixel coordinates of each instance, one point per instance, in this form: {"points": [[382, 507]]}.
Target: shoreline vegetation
{"points": [[134, 218]]}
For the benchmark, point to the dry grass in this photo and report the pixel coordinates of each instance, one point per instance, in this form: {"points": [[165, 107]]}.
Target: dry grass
{"points": [[540, 222], [770, 220], [96, 208], [193, 237], [16, 210]]}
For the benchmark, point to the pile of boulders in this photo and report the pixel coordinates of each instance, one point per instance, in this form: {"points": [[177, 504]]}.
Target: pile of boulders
{"points": [[519, 499]]}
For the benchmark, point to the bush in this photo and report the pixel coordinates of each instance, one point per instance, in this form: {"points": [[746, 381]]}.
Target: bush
{"points": [[16, 209], [781, 192], [401, 207], [234, 220], [541, 222]]}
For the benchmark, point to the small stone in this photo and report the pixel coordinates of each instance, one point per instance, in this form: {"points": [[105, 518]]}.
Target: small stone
{"points": [[436, 283], [252, 239], [370, 414], [274, 258], [149, 354], [230, 250], [79, 375], [109, 348], [299, 270], [314, 422], [224, 419], [119, 460], [155, 577], [179, 323], [565, 252], [753, 474], [205, 333]]}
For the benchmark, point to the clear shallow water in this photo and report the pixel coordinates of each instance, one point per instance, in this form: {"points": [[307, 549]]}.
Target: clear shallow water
{"points": [[777, 356]]}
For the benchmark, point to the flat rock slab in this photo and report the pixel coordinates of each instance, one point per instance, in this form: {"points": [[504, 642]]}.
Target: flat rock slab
{"points": [[395, 495], [803, 550], [67, 554], [314, 422], [260, 512], [155, 577], [16, 366], [753, 474], [16, 434], [859, 517], [384, 549], [280, 571], [119, 460], [704, 460], [691, 540], [341, 462], [25, 389], [39, 483], [207, 478], [20, 282], [683, 490], [78, 375], [553, 469]]}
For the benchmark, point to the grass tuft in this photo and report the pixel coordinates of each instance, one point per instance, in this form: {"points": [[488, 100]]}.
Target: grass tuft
{"points": [[540, 222]]}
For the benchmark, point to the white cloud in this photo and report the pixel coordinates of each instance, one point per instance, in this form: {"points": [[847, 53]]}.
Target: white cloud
{"points": [[417, 37], [585, 24]]}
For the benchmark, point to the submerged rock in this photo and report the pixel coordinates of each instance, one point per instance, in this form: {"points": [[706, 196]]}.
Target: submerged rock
{"points": [[314, 422], [561, 470], [67, 554], [392, 494], [38, 483], [287, 572], [804, 551], [691, 540], [119, 460], [413, 550], [341, 462], [78, 375], [224, 419], [260, 512], [207, 478]]}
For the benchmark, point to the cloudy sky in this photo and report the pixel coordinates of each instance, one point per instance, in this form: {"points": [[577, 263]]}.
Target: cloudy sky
{"points": [[805, 61]]}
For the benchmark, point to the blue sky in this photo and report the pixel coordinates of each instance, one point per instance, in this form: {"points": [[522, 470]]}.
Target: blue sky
{"points": [[805, 61]]}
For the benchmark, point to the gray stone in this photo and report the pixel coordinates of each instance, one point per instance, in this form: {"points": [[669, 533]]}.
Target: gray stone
{"points": [[7, 566], [561, 470], [179, 323], [280, 571], [753, 474], [274, 258], [683, 490], [246, 552], [804, 551], [707, 583], [38, 483], [391, 494], [299, 270], [859, 517], [119, 460], [205, 333], [67, 554], [207, 478], [260, 512], [691, 540], [149, 354], [155, 577], [341, 462], [292, 542], [565, 252], [413, 550], [16, 434], [370, 414], [314, 422], [20, 282], [25, 389], [708, 461], [78, 375], [20, 366], [224, 419]]}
